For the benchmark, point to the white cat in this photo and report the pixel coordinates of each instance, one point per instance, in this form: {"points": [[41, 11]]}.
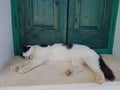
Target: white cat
{"points": [[76, 55]]}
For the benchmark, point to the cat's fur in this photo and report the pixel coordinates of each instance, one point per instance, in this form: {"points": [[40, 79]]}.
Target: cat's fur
{"points": [[76, 55]]}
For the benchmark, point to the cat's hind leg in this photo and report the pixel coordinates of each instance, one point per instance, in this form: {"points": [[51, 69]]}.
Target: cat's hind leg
{"points": [[93, 64], [75, 67]]}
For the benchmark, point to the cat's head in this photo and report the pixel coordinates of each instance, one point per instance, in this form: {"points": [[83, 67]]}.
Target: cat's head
{"points": [[27, 52]]}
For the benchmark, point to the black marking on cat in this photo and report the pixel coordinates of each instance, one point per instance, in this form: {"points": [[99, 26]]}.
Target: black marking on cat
{"points": [[68, 46], [46, 45], [106, 70], [25, 48], [43, 45]]}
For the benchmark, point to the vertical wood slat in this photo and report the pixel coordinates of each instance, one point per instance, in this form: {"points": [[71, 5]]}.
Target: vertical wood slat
{"points": [[55, 13], [77, 13]]}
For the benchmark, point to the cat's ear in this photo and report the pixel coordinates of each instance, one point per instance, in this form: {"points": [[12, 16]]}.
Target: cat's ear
{"points": [[25, 48]]}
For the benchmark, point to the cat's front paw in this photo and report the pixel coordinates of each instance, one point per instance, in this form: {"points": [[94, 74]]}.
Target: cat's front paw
{"points": [[15, 68], [21, 71], [68, 72]]}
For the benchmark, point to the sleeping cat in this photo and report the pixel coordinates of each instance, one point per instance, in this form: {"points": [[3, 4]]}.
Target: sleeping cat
{"points": [[75, 54]]}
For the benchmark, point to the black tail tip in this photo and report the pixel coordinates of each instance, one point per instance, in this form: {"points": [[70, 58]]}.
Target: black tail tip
{"points": [[106, 70], [110, 76]]}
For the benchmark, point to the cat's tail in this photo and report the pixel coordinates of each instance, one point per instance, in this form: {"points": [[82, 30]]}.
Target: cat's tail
{"points": [[106, 70]]}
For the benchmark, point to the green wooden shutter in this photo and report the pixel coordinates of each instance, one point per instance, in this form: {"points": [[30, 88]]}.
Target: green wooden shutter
{"points": [[89, 22], [42, 21]]}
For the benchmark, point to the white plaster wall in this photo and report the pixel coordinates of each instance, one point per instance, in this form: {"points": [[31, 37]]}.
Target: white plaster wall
{"points": [[116, 47], [6, 42]]}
